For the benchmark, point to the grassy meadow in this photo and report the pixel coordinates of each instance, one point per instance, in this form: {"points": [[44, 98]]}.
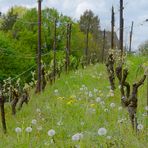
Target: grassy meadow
{"points": [[82, 111]]}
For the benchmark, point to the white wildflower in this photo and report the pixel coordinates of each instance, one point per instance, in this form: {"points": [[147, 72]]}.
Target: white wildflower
{"points": [[56, 91], [59, 123], [81, 89], [112, 105], [28, 129], [77, 137], [34, 121], [140, 127], [51, 132], [102, 131], [120, 121], [18, 130], [98, 99]]}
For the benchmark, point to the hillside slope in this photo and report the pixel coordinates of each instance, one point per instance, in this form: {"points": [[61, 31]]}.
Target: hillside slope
{"points": [[79, 102]]}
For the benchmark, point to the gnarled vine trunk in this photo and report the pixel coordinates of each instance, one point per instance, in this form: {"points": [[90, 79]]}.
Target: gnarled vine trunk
{"points": [[3, 113], [129, 99]]}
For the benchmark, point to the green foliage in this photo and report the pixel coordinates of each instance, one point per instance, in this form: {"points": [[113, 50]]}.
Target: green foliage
{"points": [[143, 48], [8, 20]]}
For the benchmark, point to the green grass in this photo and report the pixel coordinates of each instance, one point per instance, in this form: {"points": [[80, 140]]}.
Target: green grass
{"points": [[72, 111]]}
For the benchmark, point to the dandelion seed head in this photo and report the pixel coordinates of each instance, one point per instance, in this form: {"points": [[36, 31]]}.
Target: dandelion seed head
{"points": [[112, 105], [51, 133], [140, 127], [77, 137], [28, 129], [102, 131], [18, 130], [34, 121], [98, 99]]}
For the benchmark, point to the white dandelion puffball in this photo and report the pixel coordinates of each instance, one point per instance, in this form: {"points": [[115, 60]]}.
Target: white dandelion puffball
{"points": [[140, 127], [102, 131], [77, 137], [34, 121], [28, 129], [18, 130], [112, 105], [51, 133], [98, 99], [146, 108]]}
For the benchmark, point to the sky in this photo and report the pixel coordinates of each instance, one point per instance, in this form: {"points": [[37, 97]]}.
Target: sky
{"points": [[134, 10]]}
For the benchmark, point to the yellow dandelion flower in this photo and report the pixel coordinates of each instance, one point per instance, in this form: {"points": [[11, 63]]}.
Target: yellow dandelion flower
{"points": [[92, 105]]}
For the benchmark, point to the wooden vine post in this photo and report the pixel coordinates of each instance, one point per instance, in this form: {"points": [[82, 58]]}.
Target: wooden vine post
{"points": [[38, 87], [104, 42], [68, 40], [110, 59]]}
